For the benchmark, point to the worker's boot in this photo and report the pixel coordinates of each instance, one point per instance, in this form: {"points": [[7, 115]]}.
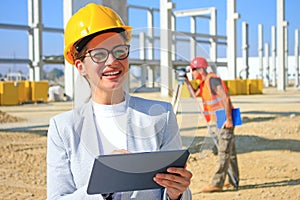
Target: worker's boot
{"points": [[211, 188]]}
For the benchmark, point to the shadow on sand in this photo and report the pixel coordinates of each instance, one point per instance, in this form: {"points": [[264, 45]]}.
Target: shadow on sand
{"points": [[250, 143], [38, 129], [282, 183]]}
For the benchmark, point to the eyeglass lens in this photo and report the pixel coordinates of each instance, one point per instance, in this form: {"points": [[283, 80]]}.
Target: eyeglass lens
{"points": [[100, 55]]}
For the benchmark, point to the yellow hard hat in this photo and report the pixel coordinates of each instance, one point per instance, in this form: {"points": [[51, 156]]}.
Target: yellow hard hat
{"points": [[88, 20]]}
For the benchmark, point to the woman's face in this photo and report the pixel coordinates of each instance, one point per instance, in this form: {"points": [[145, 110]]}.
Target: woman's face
{"points": [[110, 74]]}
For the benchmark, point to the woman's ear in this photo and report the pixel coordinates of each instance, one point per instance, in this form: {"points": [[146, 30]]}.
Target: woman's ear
{"points": [[80, 67]]}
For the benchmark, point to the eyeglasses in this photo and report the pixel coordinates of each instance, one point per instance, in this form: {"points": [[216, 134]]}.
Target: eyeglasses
{"points": [[100, 55]]}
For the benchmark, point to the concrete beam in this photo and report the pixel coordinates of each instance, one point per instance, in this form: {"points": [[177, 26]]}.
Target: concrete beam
{"points": [[194, 12]]}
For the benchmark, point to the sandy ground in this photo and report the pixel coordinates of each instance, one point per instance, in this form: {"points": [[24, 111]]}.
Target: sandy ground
{"points": [[268, 145]]}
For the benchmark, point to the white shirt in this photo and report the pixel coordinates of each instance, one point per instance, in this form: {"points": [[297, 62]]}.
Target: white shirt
{"points": [[111, 125]]}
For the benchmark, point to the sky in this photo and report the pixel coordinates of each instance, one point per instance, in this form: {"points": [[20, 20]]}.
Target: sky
{"points": [[15, 43]]}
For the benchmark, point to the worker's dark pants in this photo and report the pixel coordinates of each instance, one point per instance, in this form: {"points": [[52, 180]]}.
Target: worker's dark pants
{"points": [[227, 158]]}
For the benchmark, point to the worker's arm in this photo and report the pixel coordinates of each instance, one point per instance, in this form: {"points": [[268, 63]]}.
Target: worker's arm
{"points": [[196, 92]]}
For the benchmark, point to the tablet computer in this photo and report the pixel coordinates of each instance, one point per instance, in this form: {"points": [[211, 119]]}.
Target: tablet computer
{"points": [[134, 171]]}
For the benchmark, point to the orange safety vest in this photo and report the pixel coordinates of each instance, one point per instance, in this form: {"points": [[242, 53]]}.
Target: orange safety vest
{"points": [[211, 101]]}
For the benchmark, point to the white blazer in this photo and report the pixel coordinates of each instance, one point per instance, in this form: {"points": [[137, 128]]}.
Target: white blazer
{"points": [[73, 144]]}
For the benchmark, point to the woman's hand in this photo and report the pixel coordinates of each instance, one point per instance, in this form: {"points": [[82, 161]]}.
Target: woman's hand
{"points": [[176, 182], [120, 151]]}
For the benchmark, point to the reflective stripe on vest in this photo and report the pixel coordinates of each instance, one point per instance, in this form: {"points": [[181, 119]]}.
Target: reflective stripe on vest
{"points": [[211, 102]]}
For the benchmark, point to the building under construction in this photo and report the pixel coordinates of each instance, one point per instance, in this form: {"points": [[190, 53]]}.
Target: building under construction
{"points": [[157, 51]]}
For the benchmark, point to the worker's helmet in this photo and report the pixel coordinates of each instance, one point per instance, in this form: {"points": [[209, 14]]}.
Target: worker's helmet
{"points": [[198, 62], [87, 21]]}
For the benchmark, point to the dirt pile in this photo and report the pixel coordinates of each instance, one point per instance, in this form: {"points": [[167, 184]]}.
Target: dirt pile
{"points": [[7, 118]]}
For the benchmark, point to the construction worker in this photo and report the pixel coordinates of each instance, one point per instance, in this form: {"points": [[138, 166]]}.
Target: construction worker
{"points": [[215, 96], [112, 121]]}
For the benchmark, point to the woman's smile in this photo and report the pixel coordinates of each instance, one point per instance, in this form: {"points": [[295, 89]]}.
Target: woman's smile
{"points": [[112, 73]]}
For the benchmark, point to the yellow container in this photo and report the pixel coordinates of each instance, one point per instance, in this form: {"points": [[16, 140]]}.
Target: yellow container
{"points": [[256, 86], [39, 91], [233, 87], [28, 91], [8, 93], [237, 87], [21, 91], [243, 86]]}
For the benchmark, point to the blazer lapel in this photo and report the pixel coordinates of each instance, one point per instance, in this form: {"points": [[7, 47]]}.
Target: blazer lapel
{"points": [[136, 140], [86, 128], [131, 142]]}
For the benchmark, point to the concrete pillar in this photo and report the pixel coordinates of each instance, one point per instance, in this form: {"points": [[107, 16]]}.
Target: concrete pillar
{"points": [[166, 67], [173, 48], [193, 43], [150, 69], [70, 71], [30, 39], [31, 73], [150, 74], [297, 58], [286, 54], [119, 6], [280, 45], [245, 47], [173, 38], [267, 80], [232, 16], [142, 49], [260, 51], [37, 38], [273, 35], [213, 31]]}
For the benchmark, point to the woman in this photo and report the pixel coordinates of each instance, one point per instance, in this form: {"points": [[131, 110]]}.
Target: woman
{"points": [[112, 121]]}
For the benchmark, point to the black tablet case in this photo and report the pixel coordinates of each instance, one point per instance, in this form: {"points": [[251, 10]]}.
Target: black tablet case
{"points": [[129, 172]]}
